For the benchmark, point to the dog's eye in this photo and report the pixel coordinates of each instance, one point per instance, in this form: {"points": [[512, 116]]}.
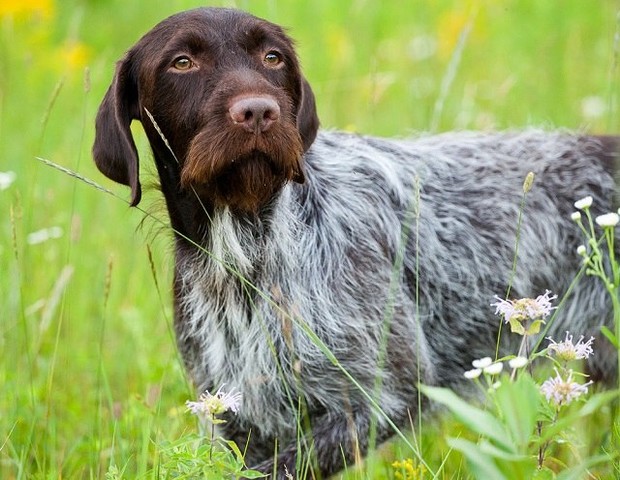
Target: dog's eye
{"points": [[272, 59], [183, 63]]}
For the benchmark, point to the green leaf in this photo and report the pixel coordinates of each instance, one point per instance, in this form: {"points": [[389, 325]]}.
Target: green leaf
{"points": [[497, 453], [519, 402], [516, 327], [535, 327], [234, 448], [482, 465], [609, 335], [238, 463], [596, 401], [577, 472], [568, 418], [477, 420], [543, 474], [487, 462], [251, 474]]}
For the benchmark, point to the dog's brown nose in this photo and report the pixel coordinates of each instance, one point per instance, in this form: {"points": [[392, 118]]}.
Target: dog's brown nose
{"points": [[255, 114]]}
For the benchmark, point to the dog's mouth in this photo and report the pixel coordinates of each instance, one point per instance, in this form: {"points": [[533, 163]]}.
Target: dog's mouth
{"points": [[251, 159], [249, 180], [242, 180]]}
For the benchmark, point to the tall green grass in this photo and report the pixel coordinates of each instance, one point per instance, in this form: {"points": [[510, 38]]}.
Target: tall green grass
{"points": [[89, 375]]}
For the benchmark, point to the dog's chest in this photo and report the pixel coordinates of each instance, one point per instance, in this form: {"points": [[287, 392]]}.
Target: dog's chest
{"points": [[237, 350], [226, 314]]}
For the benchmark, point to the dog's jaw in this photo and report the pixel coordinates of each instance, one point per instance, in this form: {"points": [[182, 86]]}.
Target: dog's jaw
{"points": [[248, 184], [240, 170]]}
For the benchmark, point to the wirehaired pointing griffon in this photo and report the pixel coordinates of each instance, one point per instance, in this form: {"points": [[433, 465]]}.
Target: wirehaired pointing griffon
{"points": [[289, 239]]}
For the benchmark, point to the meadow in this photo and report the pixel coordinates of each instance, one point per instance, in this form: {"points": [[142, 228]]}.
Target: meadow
{"points": [[91, 385]]}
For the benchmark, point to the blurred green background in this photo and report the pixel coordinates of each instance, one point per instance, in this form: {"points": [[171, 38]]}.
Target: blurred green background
{"points": [[89, 375]]}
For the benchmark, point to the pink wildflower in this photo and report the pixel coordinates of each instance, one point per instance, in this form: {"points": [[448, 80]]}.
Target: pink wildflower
{"points": [[567, 351], [525, 308], [209, 405], [563, 392]]}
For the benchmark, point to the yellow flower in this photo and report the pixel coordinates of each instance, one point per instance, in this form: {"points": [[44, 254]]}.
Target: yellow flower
{"points": [[21, 8], [74, 55], [407, 470], [454, 22], [341, 45]]}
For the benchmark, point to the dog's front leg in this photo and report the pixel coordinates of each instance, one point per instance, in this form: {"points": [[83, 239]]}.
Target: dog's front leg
{"points": [[254, 447]]}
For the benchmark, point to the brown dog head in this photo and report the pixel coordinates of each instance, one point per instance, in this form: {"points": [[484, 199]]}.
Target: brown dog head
{"points": [[223, 103]]}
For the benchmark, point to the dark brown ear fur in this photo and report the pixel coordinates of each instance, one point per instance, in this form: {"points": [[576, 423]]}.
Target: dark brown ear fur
{"points": [[114, 150], [307, 118]]}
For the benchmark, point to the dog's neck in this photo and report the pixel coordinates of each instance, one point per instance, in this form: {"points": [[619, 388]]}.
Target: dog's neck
{"points": [[195, 218], [232, 237]]}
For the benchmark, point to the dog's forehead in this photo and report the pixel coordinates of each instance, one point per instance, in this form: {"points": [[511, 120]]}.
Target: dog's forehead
{"points": [[217, 25]]}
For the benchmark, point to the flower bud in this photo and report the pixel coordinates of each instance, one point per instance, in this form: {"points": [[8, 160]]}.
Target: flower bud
{"points": [[494, 369], [608, 220], [471, 374], [584, 203], [528, 182]]}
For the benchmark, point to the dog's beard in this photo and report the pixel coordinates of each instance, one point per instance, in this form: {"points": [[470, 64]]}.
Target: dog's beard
{"points": [[243, 171]]}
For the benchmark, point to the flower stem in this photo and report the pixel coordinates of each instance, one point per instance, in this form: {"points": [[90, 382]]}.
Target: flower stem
{"points": [[212, 440], [542, 449]]}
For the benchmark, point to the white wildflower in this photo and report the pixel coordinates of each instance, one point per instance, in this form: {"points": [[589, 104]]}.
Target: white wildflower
{"points": [[209, 405], [593, 107], [582, 251], [567, 350], [563, 392], [518, 362], [6, 179], [584, 203], [482, 362], [494, 368], [44, 235], [575, 216], [422, 47], [608, 220], [471, 374]]}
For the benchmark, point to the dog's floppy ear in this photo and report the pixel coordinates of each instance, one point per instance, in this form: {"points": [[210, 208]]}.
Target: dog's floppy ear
{"points": [[114, 149], [307, 118]]}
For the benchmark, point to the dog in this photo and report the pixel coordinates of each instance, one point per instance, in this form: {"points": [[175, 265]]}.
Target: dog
{"points": [[317, 270]]}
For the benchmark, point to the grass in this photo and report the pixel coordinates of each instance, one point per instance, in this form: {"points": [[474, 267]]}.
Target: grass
{"points": [[89, 374]]}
